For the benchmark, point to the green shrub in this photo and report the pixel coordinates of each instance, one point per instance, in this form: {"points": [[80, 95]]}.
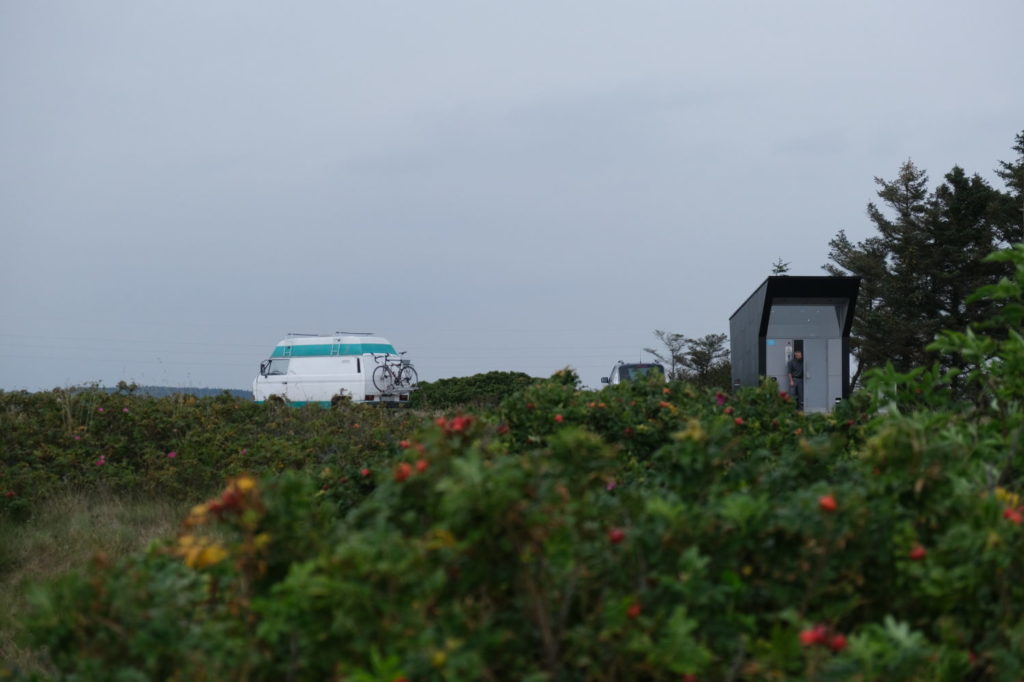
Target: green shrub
{"points": [[178, 447], [473, 392]]}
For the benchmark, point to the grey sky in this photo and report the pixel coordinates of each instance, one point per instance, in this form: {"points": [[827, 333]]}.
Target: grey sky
{"points": [[514, 186]]}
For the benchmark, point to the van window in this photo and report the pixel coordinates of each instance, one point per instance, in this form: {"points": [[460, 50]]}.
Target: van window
{"points": [[632, 372], [277, 366]]}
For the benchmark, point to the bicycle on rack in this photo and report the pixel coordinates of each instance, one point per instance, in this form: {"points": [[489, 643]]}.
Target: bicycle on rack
{"points": [[393, 374]]}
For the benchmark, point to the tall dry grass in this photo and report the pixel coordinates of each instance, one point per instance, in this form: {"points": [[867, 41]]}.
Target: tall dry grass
{"points": [[64, 533]]}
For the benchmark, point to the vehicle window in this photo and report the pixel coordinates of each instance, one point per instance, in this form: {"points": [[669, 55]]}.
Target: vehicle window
{"points": [[633, 372], [278, 366]]}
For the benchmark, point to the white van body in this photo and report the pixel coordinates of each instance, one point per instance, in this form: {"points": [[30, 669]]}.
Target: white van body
{"points": [[325, 369]]}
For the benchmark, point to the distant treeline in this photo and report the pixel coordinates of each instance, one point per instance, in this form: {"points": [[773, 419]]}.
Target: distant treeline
{"points": [[156, 391], [477, 391], [165, 391]]}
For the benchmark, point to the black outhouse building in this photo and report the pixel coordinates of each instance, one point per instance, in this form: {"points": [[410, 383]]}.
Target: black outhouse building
{"points": [[788, 314]]}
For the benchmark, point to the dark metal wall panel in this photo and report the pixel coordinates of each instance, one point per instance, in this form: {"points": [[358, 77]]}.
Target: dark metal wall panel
{"points": [[745, 339]]}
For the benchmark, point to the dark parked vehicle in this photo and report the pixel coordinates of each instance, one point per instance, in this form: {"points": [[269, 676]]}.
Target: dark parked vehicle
{"points": [[624, 371]]}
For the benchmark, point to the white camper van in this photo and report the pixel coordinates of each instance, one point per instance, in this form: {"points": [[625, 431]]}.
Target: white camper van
{"points": [[362, 368]]}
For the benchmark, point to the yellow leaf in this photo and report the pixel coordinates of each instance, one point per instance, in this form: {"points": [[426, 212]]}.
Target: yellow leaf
{"points": [[441, 538], [245, 484], [694, 431], [210, 555]]}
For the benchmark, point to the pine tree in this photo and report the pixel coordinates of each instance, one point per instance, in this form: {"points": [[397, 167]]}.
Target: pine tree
{"points": [[927, 258], [673, 357], [873, 320], [707, 361], [703, 361], [1011, 212]]}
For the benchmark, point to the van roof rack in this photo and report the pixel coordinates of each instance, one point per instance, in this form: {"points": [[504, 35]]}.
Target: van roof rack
{"points": [[356, 333], [301, 334]]}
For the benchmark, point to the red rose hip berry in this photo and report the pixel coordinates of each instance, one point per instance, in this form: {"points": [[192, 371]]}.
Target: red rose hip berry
{"points": [[808, 638], [402, 471]]}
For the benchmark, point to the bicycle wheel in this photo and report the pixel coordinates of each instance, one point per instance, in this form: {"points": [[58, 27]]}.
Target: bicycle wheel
{"points": [[383, 379], [407, 376]]}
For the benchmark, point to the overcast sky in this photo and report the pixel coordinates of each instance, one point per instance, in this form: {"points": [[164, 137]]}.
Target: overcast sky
{"points": [[490, 185]]}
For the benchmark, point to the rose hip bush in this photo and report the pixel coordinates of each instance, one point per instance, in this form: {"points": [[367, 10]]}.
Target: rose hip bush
{"points": [[654, 532], [178, 447]]}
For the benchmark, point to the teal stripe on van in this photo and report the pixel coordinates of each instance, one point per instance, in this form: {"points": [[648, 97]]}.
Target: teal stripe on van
{"points": [[329, 349]]}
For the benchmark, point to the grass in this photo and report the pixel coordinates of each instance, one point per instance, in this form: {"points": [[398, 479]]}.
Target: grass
{"points": [[64, 533]]}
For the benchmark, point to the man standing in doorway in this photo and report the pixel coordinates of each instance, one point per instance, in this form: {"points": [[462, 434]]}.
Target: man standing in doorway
{"points": [[795, 369]]}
